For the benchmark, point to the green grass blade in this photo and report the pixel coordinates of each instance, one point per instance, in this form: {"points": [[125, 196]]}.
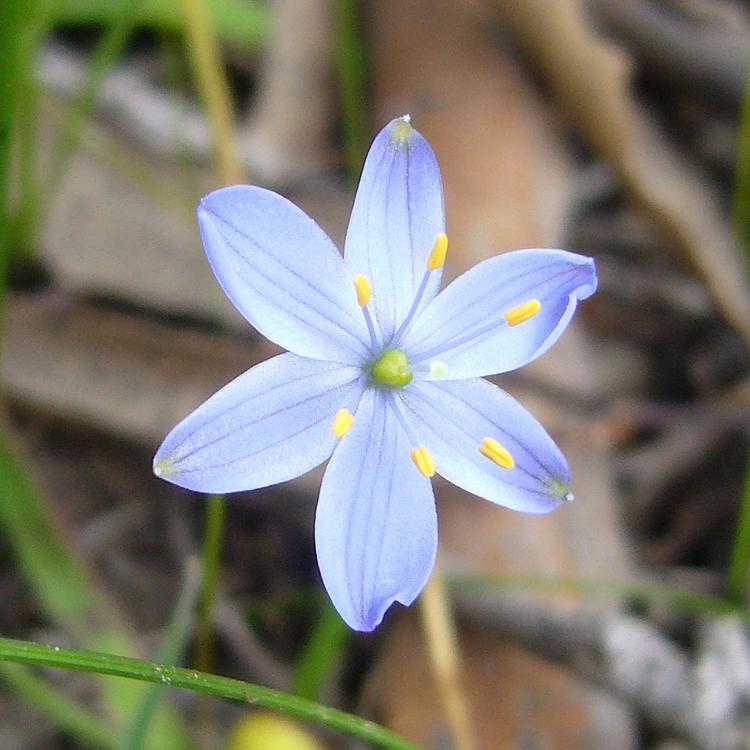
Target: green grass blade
{"points": [[27, 34], [108, 50], [350, 70], [60, 583], [673, 596], [57, 707], [321, 653], [739, 562], [64, 589], [240, 23], [12, 16], [26, 652], [171, 652]]}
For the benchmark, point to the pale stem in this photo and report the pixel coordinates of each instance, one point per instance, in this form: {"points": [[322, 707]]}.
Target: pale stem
{"points": [[445, 659]]}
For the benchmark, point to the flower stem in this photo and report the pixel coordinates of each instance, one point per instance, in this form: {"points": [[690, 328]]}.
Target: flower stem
{"points": [[211, 554], [440, 630], [27, 652]]}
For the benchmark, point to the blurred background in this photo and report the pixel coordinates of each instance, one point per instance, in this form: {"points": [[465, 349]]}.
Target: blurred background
{"points": [[619, 129]]}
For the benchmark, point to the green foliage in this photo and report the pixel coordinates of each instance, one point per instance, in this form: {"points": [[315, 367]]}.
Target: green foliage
{"points": [[65, 590], [350, 68], [321, 653], [739, 563], [25, 652], [240, 23]]}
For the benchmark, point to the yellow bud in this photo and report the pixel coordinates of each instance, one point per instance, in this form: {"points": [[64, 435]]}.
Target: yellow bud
{"points": [[262, 731]]}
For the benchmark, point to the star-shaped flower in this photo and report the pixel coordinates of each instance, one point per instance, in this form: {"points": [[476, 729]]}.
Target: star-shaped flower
{"points": [[383, 374]]}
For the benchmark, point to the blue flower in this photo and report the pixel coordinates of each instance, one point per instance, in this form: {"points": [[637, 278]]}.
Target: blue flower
{"points": [[383, 374]]}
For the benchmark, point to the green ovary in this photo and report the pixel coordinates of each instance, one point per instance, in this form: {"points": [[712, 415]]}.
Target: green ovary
{"points": [[391, 368]]}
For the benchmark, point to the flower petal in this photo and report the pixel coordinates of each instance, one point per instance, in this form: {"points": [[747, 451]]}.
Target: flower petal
{"points": [[283, 273], [270, 424], [376, 526], [453, 418], [463, 327], [397, 216]]}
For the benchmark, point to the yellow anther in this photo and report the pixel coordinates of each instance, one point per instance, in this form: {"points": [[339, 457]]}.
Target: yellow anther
{"points": [[496, 453], [364, 290], [423, 461], [523, 312], [342, 423], [437, 256]]}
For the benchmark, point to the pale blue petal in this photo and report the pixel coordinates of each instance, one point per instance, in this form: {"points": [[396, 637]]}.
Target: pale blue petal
{"points": [[270, 424], [397, 216], [478, 299], [376, 527], [452, 418], [283, 273]]}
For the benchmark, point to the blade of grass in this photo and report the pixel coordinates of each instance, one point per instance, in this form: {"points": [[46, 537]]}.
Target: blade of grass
{"points": [[26, 652], [12, 16], [739, 561], [59, 581], [170, 652], [57, 707], [241, 23], [350, 70], [63, 585], [321, 653], [679, 598], [108, 50], [28, 37]]}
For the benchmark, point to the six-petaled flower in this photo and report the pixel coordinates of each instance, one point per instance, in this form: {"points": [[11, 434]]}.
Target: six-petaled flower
{"points": [[383, 374]]}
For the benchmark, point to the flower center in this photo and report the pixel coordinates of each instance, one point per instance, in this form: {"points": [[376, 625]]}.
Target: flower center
{"points": [[391, 368]]}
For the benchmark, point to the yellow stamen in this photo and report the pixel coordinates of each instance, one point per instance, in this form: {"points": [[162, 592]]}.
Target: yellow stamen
{"points": [[437, 256], [342, 423], [523, 312], [423, 461], [496, 453], [364, 290]]}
